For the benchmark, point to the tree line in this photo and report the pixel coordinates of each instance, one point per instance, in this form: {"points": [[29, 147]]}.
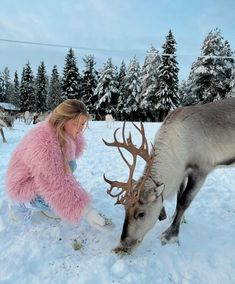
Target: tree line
{"points": [[132, 92]]}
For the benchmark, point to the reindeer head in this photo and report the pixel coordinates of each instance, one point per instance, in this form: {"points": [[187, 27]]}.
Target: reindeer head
{"points": [[143, 200], [6, 121]]}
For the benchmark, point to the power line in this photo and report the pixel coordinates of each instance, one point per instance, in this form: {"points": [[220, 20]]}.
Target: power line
{"points": [[103, 49], [55, 45], [200, 56]]}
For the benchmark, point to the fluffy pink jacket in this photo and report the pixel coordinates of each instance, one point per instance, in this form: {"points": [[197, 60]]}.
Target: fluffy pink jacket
{"points": [[36, 168]]}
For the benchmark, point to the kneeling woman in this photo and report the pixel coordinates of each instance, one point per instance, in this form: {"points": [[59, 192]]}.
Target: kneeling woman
{"points": [[40, 172]]}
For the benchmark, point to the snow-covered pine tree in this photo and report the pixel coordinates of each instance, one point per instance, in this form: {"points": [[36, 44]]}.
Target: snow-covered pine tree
{"points": [[228, 61], [16, 91], [133, 87], [89, 83], [55, 89], [27, 92], [168, 79], [232, 84], [2, 93], [7, 85], [187, 96], [71, 78], [150, 84], [107, 90], [184, 98], [211, 73], [41, 89], [122, 92]]}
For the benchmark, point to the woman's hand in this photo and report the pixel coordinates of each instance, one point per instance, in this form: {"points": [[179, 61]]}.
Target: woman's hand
{"points": [[92, 216]]}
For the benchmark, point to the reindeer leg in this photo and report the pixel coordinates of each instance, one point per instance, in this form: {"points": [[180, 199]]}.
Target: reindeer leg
{"points": [[3, 136], [195, 181], [179, 194]]}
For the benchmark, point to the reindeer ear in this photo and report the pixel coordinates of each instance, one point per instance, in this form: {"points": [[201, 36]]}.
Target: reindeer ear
{"points": [[151, 197], [152, 194]]}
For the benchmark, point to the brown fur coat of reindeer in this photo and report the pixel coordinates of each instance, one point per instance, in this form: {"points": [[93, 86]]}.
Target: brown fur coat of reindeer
{"points": [[191, 143]]}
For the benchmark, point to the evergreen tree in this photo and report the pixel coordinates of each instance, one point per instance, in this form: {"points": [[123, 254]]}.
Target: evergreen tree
{"points": [[133, 86], [107, 90], [189, 96], [55, 89], [228, 63], [184, 98], [71, 78], [89, 83], [210, 74], [15, 99], [150, 83], [41, 89], [232, 84], [2, 92], [14, 91], [122, 90], [7, 86], [168, 78], [27, 95]]}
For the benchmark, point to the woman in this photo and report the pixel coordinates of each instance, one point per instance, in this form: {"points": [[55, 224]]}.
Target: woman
{"points": [[40, 172]]}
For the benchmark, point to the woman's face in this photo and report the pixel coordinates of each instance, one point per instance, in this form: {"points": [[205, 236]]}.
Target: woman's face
{"points": [[75, 126]]}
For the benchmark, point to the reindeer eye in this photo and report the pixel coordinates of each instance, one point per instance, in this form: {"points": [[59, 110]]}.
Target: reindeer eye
{"points": [[139, 215]]}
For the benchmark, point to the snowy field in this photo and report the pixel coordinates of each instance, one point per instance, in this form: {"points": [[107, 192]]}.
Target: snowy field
{"points": [[53, 251]]}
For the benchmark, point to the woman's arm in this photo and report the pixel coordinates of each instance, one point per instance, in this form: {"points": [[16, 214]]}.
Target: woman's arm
{"points": [[58, 188]]}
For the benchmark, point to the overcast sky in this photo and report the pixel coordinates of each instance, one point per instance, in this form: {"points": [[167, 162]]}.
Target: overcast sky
{"points": [[108, 28]]}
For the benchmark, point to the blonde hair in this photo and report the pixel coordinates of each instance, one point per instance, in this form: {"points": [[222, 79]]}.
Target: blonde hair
{"points": [[68, 109]]}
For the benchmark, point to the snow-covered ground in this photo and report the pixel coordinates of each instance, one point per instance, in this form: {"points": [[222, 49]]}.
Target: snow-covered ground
{"points": [[44, 250]]}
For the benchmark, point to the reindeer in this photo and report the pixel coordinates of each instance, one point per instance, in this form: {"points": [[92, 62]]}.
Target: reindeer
{"points": [[5, 121], [27, 117], [190, 144], [37, 117], [109, 120]]}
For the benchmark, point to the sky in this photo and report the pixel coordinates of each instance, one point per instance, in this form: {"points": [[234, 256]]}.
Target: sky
{"points": [[108, 28], [43, 251]]}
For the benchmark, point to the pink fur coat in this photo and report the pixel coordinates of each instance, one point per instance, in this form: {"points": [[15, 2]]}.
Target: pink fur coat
{"points": [[36, 168]]}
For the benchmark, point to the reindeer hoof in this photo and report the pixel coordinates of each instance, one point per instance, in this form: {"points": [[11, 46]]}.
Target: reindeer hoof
{"points": [[168, 239]]}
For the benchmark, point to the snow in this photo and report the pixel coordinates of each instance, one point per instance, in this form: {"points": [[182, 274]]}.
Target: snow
{"points": [[43, 251], [8, 106]]}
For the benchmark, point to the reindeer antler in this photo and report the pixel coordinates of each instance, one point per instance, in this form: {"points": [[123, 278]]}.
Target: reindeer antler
{"points": [[126, 195]]}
